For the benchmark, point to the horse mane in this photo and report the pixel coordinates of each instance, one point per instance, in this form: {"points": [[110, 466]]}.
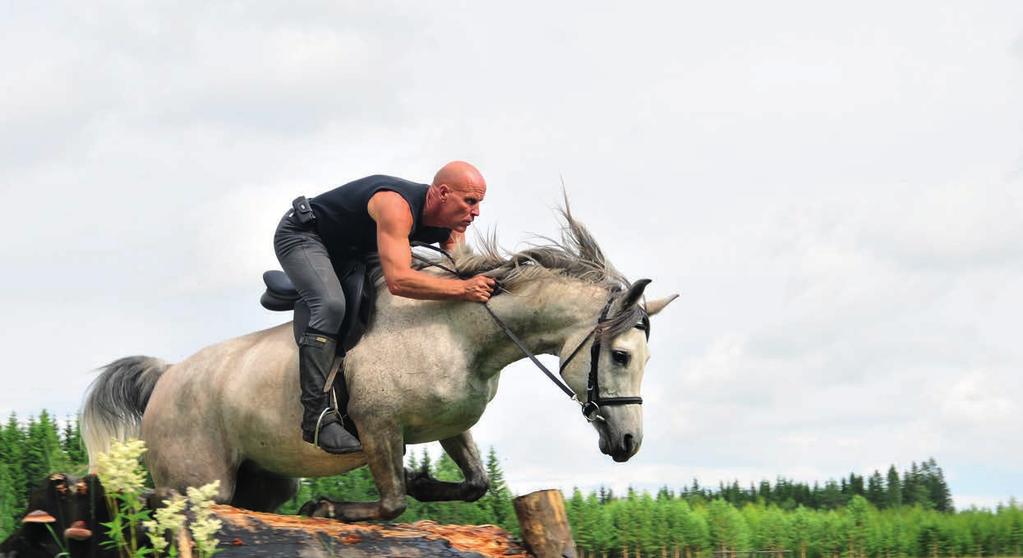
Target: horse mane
{"points": [[576, 255]]}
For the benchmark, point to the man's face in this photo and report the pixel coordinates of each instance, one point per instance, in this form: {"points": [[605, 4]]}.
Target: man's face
{"points": [[461, 205]]}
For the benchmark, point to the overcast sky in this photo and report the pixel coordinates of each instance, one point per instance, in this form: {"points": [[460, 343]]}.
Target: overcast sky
{"points": [[835, 190]]}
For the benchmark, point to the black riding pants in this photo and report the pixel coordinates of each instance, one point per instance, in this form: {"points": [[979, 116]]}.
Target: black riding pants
{"points": [[305, 259]]}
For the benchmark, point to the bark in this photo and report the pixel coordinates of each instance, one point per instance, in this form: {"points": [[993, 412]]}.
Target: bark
{"points": [[544, 524]]}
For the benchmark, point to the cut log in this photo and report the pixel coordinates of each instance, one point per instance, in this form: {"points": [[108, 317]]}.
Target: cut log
{"points": [[77, 508], [252, 534], [544, 524]]}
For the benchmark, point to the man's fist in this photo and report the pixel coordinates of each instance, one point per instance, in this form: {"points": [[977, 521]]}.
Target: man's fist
{"points": [[478, 288]]}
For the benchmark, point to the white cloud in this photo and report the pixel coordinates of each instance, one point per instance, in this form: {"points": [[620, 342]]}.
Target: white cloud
{"points": [[836, 195]]}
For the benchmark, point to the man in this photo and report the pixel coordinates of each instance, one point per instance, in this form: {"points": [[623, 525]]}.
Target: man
{"points": [[374, 214]]}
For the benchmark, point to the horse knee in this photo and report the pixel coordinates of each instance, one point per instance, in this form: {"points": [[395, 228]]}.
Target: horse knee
{"points": [[391, 508]]}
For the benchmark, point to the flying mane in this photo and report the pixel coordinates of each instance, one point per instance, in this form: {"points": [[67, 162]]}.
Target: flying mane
{"points": [[577, 255]]}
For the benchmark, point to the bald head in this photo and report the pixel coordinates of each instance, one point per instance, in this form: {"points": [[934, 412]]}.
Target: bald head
{"points": [[461, 176], [453, 200]]}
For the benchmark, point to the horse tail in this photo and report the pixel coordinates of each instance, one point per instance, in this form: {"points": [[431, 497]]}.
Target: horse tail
{"points": [[115, 401]]}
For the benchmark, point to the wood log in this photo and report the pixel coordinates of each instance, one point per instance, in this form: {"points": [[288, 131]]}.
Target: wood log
{"points": [[544, 524], [257, 535]]}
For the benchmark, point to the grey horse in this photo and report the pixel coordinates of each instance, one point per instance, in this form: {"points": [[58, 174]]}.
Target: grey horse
{"points": [[424, 371]]}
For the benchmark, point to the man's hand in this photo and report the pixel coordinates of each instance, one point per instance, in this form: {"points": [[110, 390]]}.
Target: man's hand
{"points": [[478, 288]]}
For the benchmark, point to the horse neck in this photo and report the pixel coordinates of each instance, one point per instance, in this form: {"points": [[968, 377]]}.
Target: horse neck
{"points": [[543, 314]]}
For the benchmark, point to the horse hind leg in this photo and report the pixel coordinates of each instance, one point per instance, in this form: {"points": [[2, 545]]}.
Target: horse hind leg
{"points": [[463, 452], [178, 462], [260, 490]]}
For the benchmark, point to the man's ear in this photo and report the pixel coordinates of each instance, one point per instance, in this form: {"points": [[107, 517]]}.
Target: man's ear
{"points": [[656, 305]]}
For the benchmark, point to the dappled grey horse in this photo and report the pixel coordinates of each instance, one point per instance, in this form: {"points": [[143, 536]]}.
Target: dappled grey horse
{"points": [[424, 371]]}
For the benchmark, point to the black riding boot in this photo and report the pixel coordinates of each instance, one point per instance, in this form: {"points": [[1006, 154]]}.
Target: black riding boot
{"points": [[321, 425]]}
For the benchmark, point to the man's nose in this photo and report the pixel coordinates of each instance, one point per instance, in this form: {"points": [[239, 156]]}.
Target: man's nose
{"points": [[475, 211]]}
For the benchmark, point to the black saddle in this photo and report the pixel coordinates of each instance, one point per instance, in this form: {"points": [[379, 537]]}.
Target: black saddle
{"points": [[280, 295]]}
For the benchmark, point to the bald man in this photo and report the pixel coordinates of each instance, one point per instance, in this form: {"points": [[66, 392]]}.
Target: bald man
{"points": [[374, 214]]}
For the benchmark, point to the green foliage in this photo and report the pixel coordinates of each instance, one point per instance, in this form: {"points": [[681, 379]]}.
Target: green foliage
{"points": [[29, 451], [881, 516]]}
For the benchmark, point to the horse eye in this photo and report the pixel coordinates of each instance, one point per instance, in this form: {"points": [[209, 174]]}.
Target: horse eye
{"points": [[620, 357]]}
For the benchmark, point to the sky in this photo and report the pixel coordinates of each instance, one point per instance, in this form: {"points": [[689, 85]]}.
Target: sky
{"points": [[835, 190]]}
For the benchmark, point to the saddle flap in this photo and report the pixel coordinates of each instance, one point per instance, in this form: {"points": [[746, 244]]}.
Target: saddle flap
{"points": [[359, 293]]}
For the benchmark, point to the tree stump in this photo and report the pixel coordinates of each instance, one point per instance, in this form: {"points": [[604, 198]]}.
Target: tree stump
{"points": [[544, 524]]}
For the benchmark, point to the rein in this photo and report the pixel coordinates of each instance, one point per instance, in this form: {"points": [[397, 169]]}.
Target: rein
{"points": [[594, 401]]}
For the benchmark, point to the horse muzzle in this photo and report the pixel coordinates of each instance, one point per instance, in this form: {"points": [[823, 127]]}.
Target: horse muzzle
{"points": [[620, 448]]}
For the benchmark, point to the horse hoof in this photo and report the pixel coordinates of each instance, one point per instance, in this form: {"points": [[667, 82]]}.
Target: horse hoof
{"points": [[318, 508]]}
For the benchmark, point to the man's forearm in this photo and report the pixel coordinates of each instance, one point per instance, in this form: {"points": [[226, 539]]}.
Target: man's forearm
{"points": [[423, 286]]}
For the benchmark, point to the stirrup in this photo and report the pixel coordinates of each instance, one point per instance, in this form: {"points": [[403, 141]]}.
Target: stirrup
{"points": [[319, 422]]}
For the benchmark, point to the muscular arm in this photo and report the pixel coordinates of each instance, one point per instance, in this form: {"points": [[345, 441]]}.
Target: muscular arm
{"points": [[394, 222]]}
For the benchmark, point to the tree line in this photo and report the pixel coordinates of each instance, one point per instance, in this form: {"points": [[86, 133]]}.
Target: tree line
{"points": [[897, 515], [921, 485], [640, 524]]}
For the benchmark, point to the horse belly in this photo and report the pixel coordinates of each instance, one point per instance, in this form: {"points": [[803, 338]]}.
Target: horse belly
{"points": [[444, 412]]}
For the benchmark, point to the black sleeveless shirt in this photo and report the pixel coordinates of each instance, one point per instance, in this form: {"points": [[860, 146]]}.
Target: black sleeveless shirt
{"points": [[344, 223]]}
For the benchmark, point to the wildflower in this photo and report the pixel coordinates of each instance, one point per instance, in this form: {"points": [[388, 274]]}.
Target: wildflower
{"points": [[119, 468], [171, 518], [204, 526]]}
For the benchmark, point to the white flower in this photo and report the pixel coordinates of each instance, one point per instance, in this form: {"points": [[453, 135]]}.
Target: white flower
{"points": [[155, 535], [171, 518], [204, 526], [119, 469]]}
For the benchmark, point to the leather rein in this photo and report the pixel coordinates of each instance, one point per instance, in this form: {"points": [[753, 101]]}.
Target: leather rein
{"points": [[594, 401]]}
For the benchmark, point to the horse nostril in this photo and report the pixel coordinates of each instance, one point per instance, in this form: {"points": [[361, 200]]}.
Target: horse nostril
{"points": [[628, 443]]}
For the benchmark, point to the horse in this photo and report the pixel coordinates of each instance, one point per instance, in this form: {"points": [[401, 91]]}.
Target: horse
{"points": [[424, 371]]}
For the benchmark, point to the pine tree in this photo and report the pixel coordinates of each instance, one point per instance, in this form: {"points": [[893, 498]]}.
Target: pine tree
{"points": [[875, 490], [914, 489], [937, 488], [498, 500], [447, 469], [855, 485], [831, 497], [575, 508], [71, 443], [893, 489], [14, 444], [8, 498]]}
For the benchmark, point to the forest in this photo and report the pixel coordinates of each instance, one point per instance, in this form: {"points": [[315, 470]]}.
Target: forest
{"points": [[895, 514]]}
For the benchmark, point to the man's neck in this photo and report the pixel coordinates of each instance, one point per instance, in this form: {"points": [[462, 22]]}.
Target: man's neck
{"points": [[431, 207]]}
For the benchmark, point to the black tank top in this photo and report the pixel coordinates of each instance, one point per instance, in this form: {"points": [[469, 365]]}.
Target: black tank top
{"points": [[344, 223]]}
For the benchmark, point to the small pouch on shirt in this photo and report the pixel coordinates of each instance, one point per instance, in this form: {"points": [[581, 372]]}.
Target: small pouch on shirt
{"points": [[303, 213]]}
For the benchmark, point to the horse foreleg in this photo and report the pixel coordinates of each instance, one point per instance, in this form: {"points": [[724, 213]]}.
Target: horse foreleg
{"points": [[383, 446], [463, 452]]}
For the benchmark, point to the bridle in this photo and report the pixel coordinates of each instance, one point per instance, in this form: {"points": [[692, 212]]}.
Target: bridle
{"points": [[594, 401]]}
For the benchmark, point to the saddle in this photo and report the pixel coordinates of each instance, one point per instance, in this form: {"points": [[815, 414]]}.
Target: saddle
{"points": [[360, 293]]}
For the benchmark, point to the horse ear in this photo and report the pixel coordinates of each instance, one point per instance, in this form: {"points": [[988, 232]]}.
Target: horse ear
{"points": [[655, 306], [632, 296]]}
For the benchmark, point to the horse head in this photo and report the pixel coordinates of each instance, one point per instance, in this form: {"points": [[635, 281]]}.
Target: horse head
{"points": [[608, 373]]}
